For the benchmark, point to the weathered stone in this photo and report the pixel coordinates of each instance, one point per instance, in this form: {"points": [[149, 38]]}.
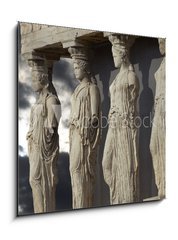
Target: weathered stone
{"points": [[25, 28], [36, 27], [44, 26], [49, 36], [84, 131], [157, 143], [120, 159], [43, 139]]}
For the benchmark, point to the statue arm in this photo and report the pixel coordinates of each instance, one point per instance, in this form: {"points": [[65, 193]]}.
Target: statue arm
{"points": [[95, 101], [30, 131], [134, 89], [50, 132], [95, 115], [53, 112], [52, 120]]}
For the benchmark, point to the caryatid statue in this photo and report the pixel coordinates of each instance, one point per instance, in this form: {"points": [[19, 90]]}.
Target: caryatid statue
{"points": [[157, 144], [84, 130], [43, 139], [120, 158]]}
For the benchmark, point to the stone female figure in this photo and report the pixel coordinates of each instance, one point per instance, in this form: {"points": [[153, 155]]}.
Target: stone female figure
{"points": [[84, 132], [43, 142], [120, 158], [157, 143]]}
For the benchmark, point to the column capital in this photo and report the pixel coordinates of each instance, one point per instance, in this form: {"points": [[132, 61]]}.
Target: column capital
{"points": [[117, 39], [41, 61], [81, 52], [39, 57]]}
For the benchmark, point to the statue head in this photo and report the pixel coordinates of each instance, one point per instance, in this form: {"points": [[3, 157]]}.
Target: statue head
{"points": [[81, 69], [39, 78], [120, 48], [80, 56], [161, 42]]}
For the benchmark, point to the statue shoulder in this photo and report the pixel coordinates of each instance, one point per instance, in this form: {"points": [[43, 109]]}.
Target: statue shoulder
{"points": [[132, 78], [94, 88], [52, 100]]}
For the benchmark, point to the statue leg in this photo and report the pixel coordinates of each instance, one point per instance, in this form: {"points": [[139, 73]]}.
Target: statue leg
{"points": [[108, 158], [35, 183], [76, 170], [50, 178]]}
